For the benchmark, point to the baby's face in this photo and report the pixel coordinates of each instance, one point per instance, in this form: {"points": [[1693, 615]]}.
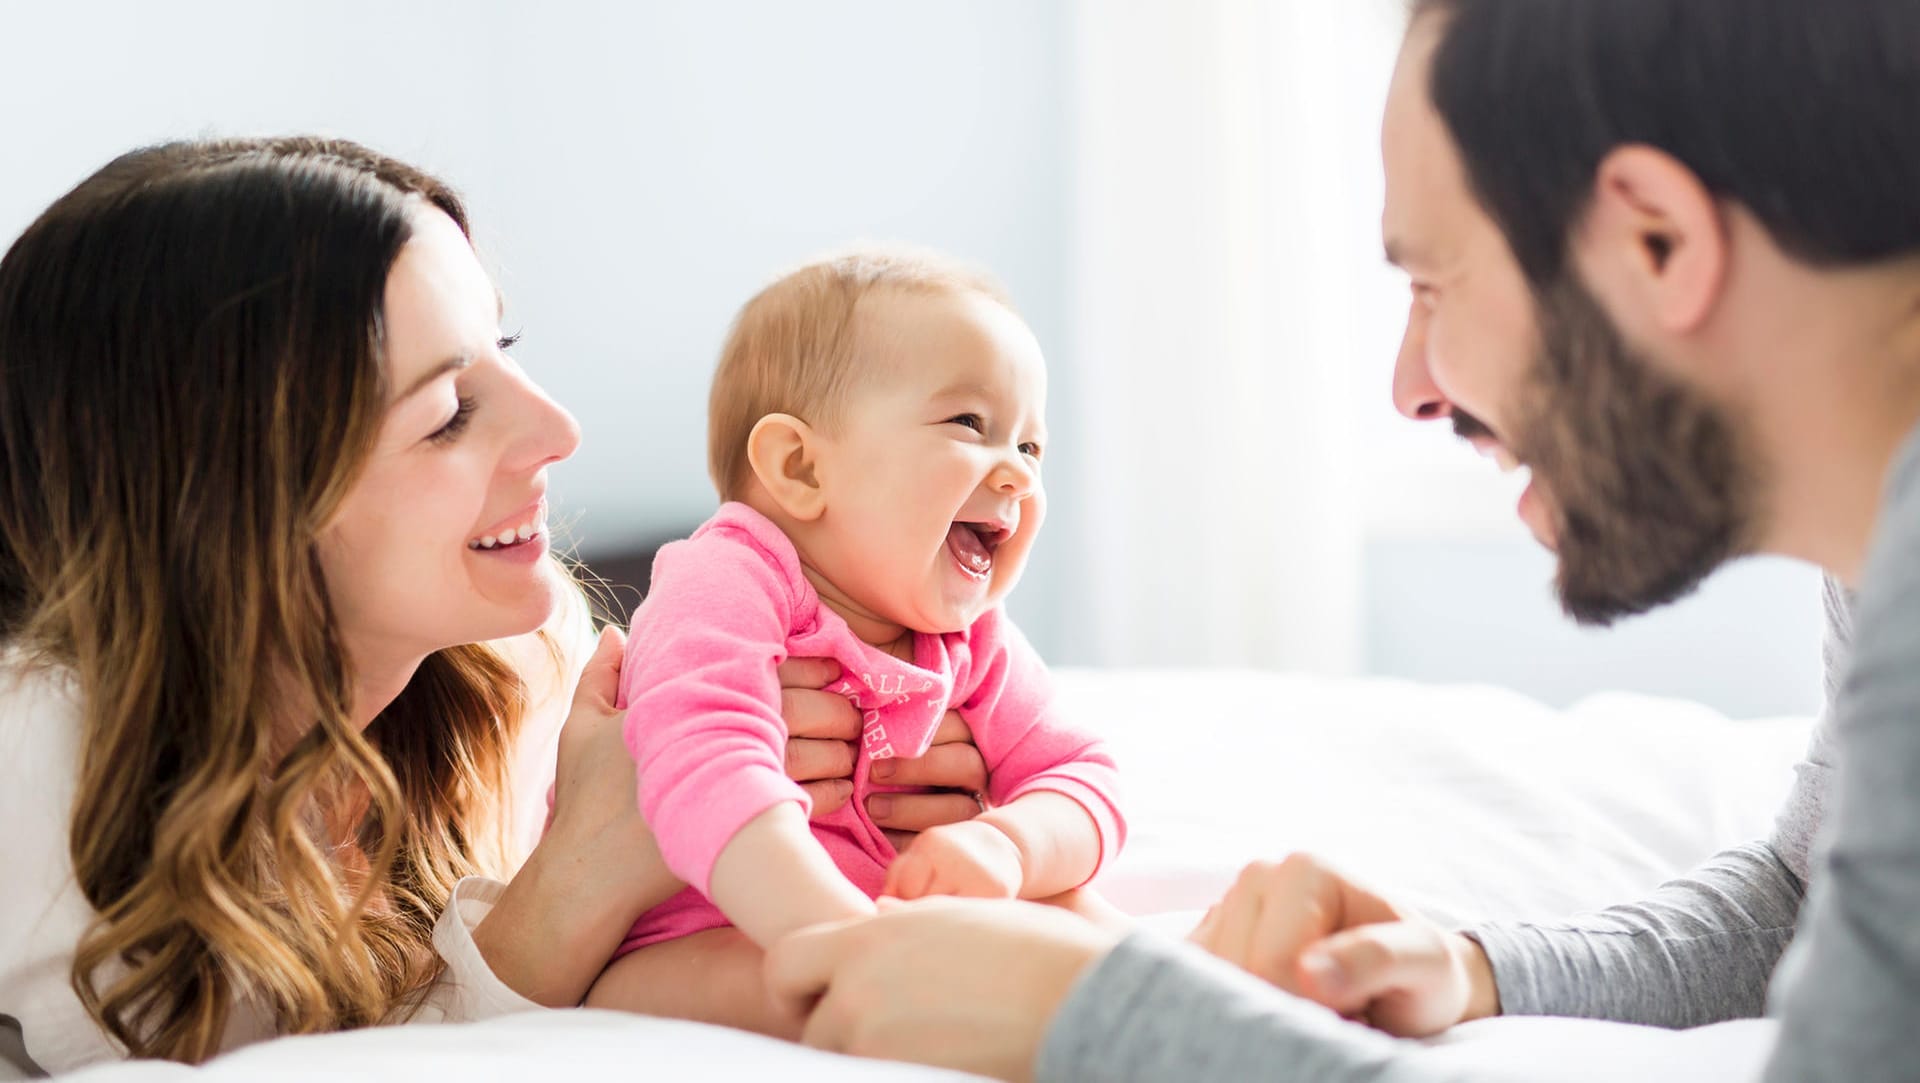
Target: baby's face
{"points": [[932, 482]]}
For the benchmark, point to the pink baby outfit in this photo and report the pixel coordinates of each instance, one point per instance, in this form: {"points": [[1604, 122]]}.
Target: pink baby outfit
{"points": [[727, 606]]}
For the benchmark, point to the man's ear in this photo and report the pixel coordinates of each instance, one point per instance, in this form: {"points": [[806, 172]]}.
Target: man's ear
{"points": [[782, 449], [1663, 234]]}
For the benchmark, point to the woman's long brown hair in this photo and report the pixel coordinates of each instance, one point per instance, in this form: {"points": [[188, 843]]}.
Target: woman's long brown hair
{"points": [[191, 374]]}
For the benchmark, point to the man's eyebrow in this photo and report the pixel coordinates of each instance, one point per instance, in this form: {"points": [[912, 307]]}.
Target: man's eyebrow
{"points": [[451, 364]]}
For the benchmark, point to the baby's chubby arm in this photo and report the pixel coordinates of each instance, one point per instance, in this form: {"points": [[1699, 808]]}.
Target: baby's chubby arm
{"points": [[1035, 847], [702, 692], [773, 878], [1053, 786]]}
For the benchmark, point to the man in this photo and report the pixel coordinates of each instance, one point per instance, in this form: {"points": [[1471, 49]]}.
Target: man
{"points": [[1666, 255]]}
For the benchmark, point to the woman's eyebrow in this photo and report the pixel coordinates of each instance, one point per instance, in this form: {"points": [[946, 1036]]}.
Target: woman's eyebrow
{"points": [[451, 364]]}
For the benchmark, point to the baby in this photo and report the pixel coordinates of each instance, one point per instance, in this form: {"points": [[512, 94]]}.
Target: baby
{"points": [[876, 431]]}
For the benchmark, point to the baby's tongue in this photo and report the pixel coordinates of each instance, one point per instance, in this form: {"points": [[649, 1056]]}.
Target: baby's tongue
{"points": [[968, 549]]}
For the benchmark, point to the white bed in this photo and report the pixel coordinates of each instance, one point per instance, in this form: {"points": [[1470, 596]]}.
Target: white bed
{"points": [[1470, 801]]}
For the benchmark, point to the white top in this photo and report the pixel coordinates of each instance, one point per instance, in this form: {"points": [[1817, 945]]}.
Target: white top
{"points": [[43, 913]]}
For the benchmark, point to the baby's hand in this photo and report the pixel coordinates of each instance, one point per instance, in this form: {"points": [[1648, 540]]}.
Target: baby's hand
{"points": [[972, 859]]}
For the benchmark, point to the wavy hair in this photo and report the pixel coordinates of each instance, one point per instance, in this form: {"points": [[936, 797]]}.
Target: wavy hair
{"points": [[191, 375]]}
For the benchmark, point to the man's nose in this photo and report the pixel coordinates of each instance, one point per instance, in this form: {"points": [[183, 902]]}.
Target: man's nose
{"points": [[1414, 393]]}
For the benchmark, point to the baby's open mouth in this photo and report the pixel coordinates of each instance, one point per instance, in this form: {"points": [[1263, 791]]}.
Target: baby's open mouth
{"points": [[972, 545]]}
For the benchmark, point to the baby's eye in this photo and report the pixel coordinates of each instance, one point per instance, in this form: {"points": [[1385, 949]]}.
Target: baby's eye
{"points": [[1031, 450], [971, 421]]}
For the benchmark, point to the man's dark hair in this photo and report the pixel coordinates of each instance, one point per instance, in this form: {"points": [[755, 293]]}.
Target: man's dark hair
{"points": [[1805, 112]]}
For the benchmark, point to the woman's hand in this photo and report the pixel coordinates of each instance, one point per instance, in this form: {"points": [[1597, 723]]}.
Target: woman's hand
{"points": [[1314, 933], [824, 731], [969, 984], [595, 871]]}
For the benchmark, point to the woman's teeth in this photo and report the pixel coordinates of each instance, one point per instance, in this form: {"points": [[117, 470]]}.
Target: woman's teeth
{"points": [[508, 537]]}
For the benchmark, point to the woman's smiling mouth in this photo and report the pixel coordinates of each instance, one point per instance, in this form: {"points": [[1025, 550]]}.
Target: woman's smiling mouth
{"points": [[517, 530]]}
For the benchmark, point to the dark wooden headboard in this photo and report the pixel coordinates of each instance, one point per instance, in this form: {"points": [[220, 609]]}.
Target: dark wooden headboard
{"points": [[617, 579]]}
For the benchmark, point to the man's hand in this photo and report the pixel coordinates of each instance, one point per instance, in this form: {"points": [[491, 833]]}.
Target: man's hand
{"points": [[972, 859], [968, 984], [1312, 932], [823, 729]]}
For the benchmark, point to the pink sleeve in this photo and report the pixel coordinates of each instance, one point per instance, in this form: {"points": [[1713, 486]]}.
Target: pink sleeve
{"points": [[703, 699], [1027, 745]]}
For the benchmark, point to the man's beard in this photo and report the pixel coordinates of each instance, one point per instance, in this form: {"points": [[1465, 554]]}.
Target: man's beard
{"points": [[1647, 482]]}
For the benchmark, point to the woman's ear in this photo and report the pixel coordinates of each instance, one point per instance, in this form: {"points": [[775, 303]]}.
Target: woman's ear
{"points": [[782, 450]]}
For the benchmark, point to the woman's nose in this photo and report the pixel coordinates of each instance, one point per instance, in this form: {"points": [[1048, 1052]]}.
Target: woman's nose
{"points": [[1415, 394], [550, 433]]}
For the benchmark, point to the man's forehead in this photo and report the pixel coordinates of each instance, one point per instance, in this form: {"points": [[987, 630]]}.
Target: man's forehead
{"points": [[1424, 181]]}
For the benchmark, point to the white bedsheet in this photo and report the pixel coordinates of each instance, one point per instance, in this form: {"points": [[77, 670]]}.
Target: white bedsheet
{"points": [[1472, 802]]}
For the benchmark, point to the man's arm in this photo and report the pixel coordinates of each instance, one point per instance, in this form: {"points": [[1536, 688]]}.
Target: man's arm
{"points": [[1700, 949], [1153, 1009], [1848, 994]]}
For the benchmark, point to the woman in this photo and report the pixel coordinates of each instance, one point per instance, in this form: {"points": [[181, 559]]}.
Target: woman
{"points": [[284, 656]]}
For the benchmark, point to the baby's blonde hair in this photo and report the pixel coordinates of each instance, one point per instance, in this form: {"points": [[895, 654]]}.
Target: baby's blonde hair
{"points": [[795, 346]]}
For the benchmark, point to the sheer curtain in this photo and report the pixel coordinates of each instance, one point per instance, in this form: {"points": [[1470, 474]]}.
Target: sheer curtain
{"points": [[1226, 303]]}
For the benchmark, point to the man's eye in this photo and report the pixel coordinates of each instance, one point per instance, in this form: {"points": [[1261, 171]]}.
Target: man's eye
{"points": [[971, 421]]}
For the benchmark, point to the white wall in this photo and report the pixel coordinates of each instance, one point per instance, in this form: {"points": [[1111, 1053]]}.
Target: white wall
{"points": [[636, 170]]}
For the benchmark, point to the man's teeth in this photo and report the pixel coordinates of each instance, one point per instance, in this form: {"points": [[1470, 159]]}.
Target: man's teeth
{"points": [[507, 537]]}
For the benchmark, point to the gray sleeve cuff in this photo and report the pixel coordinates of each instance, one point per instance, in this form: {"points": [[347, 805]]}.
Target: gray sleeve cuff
{"points": [[1155, 1009]]}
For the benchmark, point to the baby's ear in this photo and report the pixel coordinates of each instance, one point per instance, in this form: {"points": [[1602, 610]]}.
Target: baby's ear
{"points": [[782, 451]]}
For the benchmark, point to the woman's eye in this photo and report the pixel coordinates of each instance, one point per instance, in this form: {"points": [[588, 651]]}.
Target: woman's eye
{"points": [[456, 424], [508, 342], [971, 421]]}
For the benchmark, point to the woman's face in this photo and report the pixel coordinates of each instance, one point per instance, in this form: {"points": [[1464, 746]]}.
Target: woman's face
{"points": [[429, 548]]}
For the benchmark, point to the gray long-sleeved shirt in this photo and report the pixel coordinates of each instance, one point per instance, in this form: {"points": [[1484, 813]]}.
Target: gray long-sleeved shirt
{"points": [[1698, 950]]}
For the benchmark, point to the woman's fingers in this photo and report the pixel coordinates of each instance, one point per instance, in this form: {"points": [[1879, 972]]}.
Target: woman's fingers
{"points": [[828, 796], [810, 712], [810, 760], [952, 729], [819, 757], [808, 672], [600, 679], [919, 811], [946, 767]]}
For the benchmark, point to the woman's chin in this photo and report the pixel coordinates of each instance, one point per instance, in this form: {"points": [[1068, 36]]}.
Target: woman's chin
{"points": [[522, 615]]}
